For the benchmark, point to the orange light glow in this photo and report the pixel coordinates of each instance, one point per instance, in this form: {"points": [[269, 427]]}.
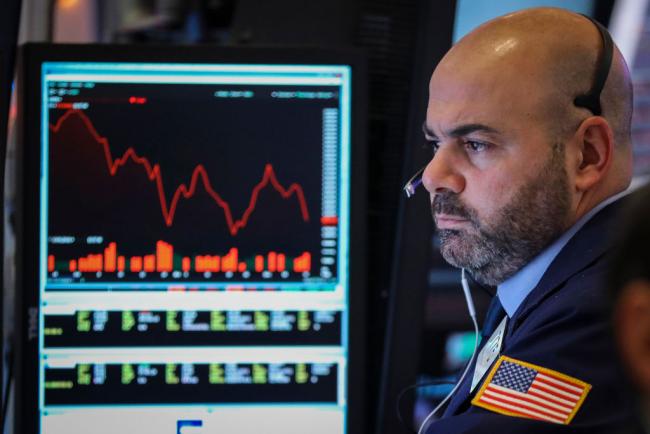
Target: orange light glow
{"points": [[67, 4]]}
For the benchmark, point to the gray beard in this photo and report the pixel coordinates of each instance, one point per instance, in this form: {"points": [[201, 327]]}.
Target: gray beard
{"points": [[494, 251]]}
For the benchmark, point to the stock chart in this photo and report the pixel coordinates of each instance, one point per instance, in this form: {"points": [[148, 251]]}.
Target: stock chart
{"points": [[154, 182]]}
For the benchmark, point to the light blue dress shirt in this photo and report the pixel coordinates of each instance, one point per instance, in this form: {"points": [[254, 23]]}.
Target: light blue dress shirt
{"points": [[513, 291]]}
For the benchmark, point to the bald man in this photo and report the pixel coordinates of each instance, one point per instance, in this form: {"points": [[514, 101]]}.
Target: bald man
{"points": [[529, 124]]}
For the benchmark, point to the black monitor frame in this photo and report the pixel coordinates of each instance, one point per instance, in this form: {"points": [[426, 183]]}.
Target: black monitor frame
{"points": [[28, 192]]}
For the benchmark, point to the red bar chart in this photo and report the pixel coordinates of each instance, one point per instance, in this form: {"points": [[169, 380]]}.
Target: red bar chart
{"points": [[164, 260]]}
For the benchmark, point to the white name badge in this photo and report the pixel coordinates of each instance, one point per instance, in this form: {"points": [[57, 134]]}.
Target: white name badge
{"points": [[489, 353]]}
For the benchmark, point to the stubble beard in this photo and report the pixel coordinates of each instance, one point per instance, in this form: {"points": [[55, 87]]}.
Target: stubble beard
{"points": [[493, 251]]}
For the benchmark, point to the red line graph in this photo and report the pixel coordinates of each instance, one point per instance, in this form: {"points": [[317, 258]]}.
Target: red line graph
{"points": [[183, 191]]}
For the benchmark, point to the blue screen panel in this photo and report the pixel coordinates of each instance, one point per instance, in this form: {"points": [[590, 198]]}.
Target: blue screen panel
{"points": [[194, 238]]}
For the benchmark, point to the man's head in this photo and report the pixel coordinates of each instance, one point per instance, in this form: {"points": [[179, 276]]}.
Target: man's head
{"points": [[516, 163], [630, 285]]}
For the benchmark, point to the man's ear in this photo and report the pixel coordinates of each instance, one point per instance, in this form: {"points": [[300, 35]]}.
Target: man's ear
{"points": [[595, 150]]}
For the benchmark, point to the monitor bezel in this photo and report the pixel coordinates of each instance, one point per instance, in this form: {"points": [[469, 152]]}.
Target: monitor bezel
{"points": [[32, 56]]}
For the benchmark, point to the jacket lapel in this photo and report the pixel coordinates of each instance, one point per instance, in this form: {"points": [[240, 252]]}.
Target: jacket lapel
{"points": [[462, 394]]}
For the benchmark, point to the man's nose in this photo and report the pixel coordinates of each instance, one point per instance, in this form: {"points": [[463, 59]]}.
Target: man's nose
{"points": [[442, 173]]}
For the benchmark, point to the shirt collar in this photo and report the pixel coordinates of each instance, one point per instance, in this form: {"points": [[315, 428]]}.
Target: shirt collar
{"points": [[514, 290]]}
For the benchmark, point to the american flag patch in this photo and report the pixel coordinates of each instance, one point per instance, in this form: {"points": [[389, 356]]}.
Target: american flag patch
{"points": [[517, 388]]}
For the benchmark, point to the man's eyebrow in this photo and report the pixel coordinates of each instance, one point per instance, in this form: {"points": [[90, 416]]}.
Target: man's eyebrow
{"points": [[461, 130], [427, 131]]}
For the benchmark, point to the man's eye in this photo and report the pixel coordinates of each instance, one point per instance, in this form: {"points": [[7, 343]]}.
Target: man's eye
{"points": [[432, 145], [476, 146]]}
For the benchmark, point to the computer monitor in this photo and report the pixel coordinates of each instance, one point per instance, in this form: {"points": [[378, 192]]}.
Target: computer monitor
{"points": [[192, 240]]}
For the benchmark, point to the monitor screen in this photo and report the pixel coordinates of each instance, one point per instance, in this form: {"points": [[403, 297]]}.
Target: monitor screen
{"points": [[193, 248]]}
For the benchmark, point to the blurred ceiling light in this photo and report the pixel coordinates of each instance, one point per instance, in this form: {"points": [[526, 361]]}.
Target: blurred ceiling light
{"points": [[67, 4]]}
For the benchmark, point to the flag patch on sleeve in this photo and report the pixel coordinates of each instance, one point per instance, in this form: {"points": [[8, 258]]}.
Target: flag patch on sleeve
{"points": [[520, 389]]}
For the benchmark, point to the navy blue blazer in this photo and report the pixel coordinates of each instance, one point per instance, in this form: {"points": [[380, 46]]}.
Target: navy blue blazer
{"points": [[564, 325]]}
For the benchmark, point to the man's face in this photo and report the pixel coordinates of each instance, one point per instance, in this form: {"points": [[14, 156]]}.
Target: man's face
{"points": [[498, 182]]}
